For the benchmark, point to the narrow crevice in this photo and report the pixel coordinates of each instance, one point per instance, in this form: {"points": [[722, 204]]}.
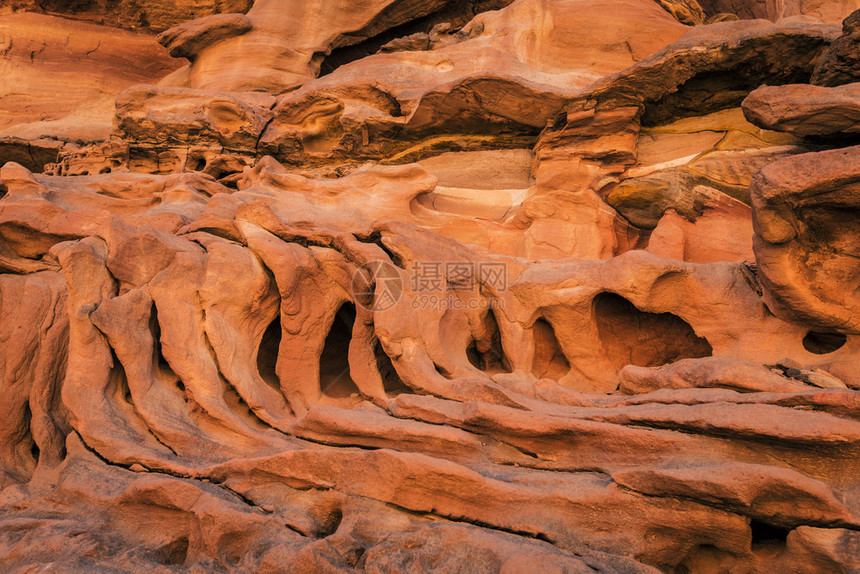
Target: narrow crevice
{"points": [[376, 239], [26, 424], [543, 537], [215, 232], [761, 531], [118, 381], [486, 352], [158, 359], [267, 354], [238, 405], [248, 501], [454, 14], [265, 127], [162, 443], [751, 439], [296, 530], [557, 470], [443, 371], [121, 389], [391, 381], [521, 450], [128, 467], [482, 434], [322, 442]]}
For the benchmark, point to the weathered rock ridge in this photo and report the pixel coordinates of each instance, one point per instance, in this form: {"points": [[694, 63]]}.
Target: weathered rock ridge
{"points": [[400, 285]]}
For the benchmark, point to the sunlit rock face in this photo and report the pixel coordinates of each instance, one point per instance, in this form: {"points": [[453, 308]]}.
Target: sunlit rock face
{"points": [[429, 285]]}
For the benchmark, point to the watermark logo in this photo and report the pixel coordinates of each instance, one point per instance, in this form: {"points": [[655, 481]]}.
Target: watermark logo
{"points": [[377, 286], [451, 301], [458, 276]]}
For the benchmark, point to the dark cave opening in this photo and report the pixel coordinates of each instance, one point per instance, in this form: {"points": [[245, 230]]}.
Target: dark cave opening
{"points": [[821, 343], [634, 337], [335, 378], [763, 533], [767, 540], [34, 448], [267, 354]]}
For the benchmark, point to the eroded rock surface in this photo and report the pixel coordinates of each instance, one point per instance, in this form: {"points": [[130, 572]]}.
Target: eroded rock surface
{"points": [[826, 10], [153, 15], [806, 110], [486, 286], [805, 218], [839, 63], [60, 80]]}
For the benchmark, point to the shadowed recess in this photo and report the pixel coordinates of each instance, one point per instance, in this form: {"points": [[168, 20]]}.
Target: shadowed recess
{"points": [[267, 355], [391, 381], [173, 553], [335, 378], [549, 360], [823, 343], [715, 90], [159, 360], [767, 539], [633, 337], [487, 353], [457, 14]]}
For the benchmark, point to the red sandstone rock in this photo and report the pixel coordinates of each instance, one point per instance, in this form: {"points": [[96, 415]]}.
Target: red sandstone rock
{"points": [[190, 38], [806, 236], [238, 331], [838, 64], [826, 10], [806, 110], [60, 80], [153, 15]]}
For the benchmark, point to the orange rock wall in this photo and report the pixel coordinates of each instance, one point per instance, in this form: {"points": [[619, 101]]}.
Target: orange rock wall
{"points": [[427, 285]]}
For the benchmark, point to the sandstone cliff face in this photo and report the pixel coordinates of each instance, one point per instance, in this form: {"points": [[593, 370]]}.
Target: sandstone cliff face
{"points": [[427, 285]]}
